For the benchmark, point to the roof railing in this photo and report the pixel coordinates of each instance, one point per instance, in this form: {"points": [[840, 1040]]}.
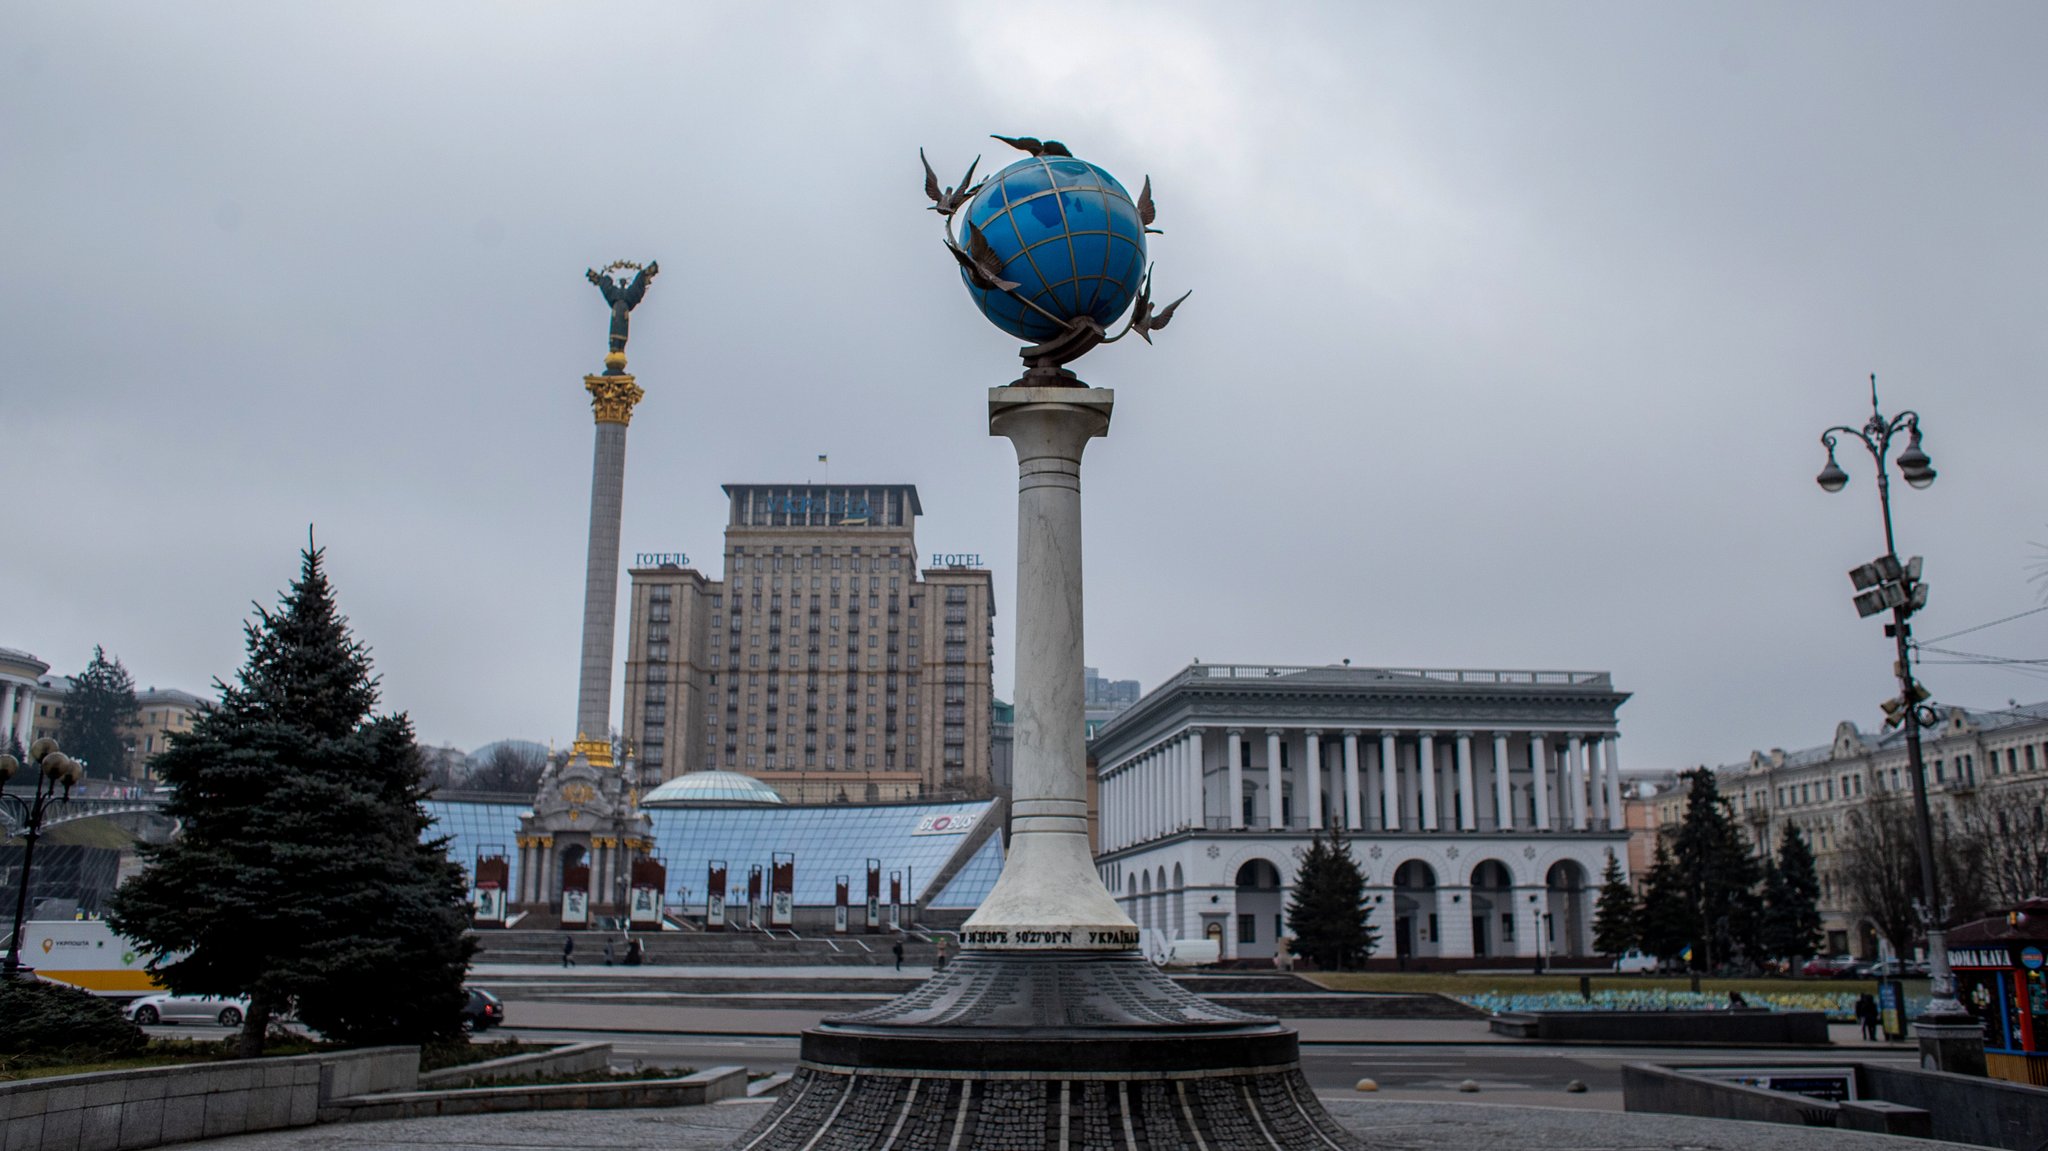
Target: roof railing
{"points": [[1481, 676]]}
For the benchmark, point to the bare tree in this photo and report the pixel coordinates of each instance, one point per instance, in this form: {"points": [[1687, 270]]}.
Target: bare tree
{"points": [[2003, 836], [1884, 869], [508, 767], [445, 767]]}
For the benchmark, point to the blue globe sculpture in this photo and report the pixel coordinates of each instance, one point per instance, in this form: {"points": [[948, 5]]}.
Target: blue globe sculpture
{"points": [[1067, 234]]}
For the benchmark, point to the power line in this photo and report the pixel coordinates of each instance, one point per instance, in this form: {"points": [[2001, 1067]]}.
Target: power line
{"points": [[1982, 626], [1979, 657]]}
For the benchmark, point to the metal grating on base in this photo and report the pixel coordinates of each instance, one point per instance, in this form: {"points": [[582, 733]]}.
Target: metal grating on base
{"points": [[1048, 1052], [844, 1108]]}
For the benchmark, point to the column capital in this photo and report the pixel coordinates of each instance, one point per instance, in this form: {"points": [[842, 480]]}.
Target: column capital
{"points": [[1425, 734], [1462, 734], [1353, 732], [1237, 731], [612, 398], [1314, 731]]}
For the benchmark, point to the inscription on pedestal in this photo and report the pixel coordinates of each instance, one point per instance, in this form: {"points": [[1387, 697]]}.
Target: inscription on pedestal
{"points": [[1049, 939]]}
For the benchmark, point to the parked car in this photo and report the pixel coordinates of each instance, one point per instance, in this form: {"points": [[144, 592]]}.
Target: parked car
{"points": [[1829, 967], [483, 1011], [154, 1009], [1634, 962]]}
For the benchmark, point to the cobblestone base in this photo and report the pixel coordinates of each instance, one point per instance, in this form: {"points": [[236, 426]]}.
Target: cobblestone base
{"points": [[852, 1109]]}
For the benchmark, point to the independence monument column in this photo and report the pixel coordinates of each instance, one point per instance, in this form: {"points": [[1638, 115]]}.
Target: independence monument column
{"points": [[612, 396]]}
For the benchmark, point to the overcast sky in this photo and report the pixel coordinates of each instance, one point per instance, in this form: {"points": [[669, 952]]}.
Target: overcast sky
{"points": [[1513, 331]]}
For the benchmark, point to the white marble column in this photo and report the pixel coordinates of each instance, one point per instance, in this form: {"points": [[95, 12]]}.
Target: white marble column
{"points": [[1390, 782], [1539, 763], [1233, 798], [1425, 778], [1575, 779], [25, 715], [1313, 761], [1468, 804], [1597, 770], [1503, 789], [1170, 776], [1617, 814], [7, 715], [1354, 819], [1049, 884], [1274, 820], [1197, 780]]}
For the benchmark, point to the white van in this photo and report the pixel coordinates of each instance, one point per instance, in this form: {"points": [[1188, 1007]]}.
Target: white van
{"points": [[1634, 962]]}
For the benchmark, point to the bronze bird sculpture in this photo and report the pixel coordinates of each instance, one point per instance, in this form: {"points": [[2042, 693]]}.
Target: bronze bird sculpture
{"points": [[984, 270], [1034, 145], [946, 201], [1144, 320], [1145, 209]]}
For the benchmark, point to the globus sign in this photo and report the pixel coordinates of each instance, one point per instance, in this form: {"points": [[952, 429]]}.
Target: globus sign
{"points": [[945, 824]]}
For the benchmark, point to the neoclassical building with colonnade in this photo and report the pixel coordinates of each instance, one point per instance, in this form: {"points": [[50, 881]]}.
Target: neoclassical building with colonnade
{"points": [[1481, 805]]}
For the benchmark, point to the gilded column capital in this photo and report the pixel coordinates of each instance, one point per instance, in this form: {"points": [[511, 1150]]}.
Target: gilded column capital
{"points": [[612, 398], [597, 751]]}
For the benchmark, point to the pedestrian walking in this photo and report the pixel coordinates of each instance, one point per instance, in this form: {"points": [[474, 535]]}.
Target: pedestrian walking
{"points": [[568, 951], [1866, 1015], [898, 949]]}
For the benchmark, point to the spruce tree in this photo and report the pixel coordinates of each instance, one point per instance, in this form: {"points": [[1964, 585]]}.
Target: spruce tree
{"points": [[1614, 914], [1666, 922], [1718, 872], [98, 714], [1791, 921], [1331, 921], [299, 877]]}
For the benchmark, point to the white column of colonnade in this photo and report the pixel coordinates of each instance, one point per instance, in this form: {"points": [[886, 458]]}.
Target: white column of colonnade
{"points": [[7, 714], [1575, 778], [1539, 763], [1425, 778], [1274, 821], [1617, 816], [1312, 759], [1196, 782], [1597, 769], [1468, 803], [1233, 795], [1390, 782], [1170, 798], [1354, 818], [1503, 788]]}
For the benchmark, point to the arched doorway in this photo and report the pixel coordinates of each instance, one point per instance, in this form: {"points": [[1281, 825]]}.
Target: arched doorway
{"points": [[1565, 933], [1258, 908], [1415, 922], [1179, 904], [571, 860], [1493, 909]]}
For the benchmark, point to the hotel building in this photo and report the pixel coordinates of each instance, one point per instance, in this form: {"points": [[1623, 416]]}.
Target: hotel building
{"points": [[827, 663]]}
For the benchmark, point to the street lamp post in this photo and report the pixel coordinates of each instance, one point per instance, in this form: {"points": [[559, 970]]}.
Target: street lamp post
{"points": [[1889, 583], [53, 770]]}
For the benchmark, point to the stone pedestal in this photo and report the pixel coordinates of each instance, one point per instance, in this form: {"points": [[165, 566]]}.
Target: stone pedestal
{"points": [[1050, 1031], [1953, 1043]]}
